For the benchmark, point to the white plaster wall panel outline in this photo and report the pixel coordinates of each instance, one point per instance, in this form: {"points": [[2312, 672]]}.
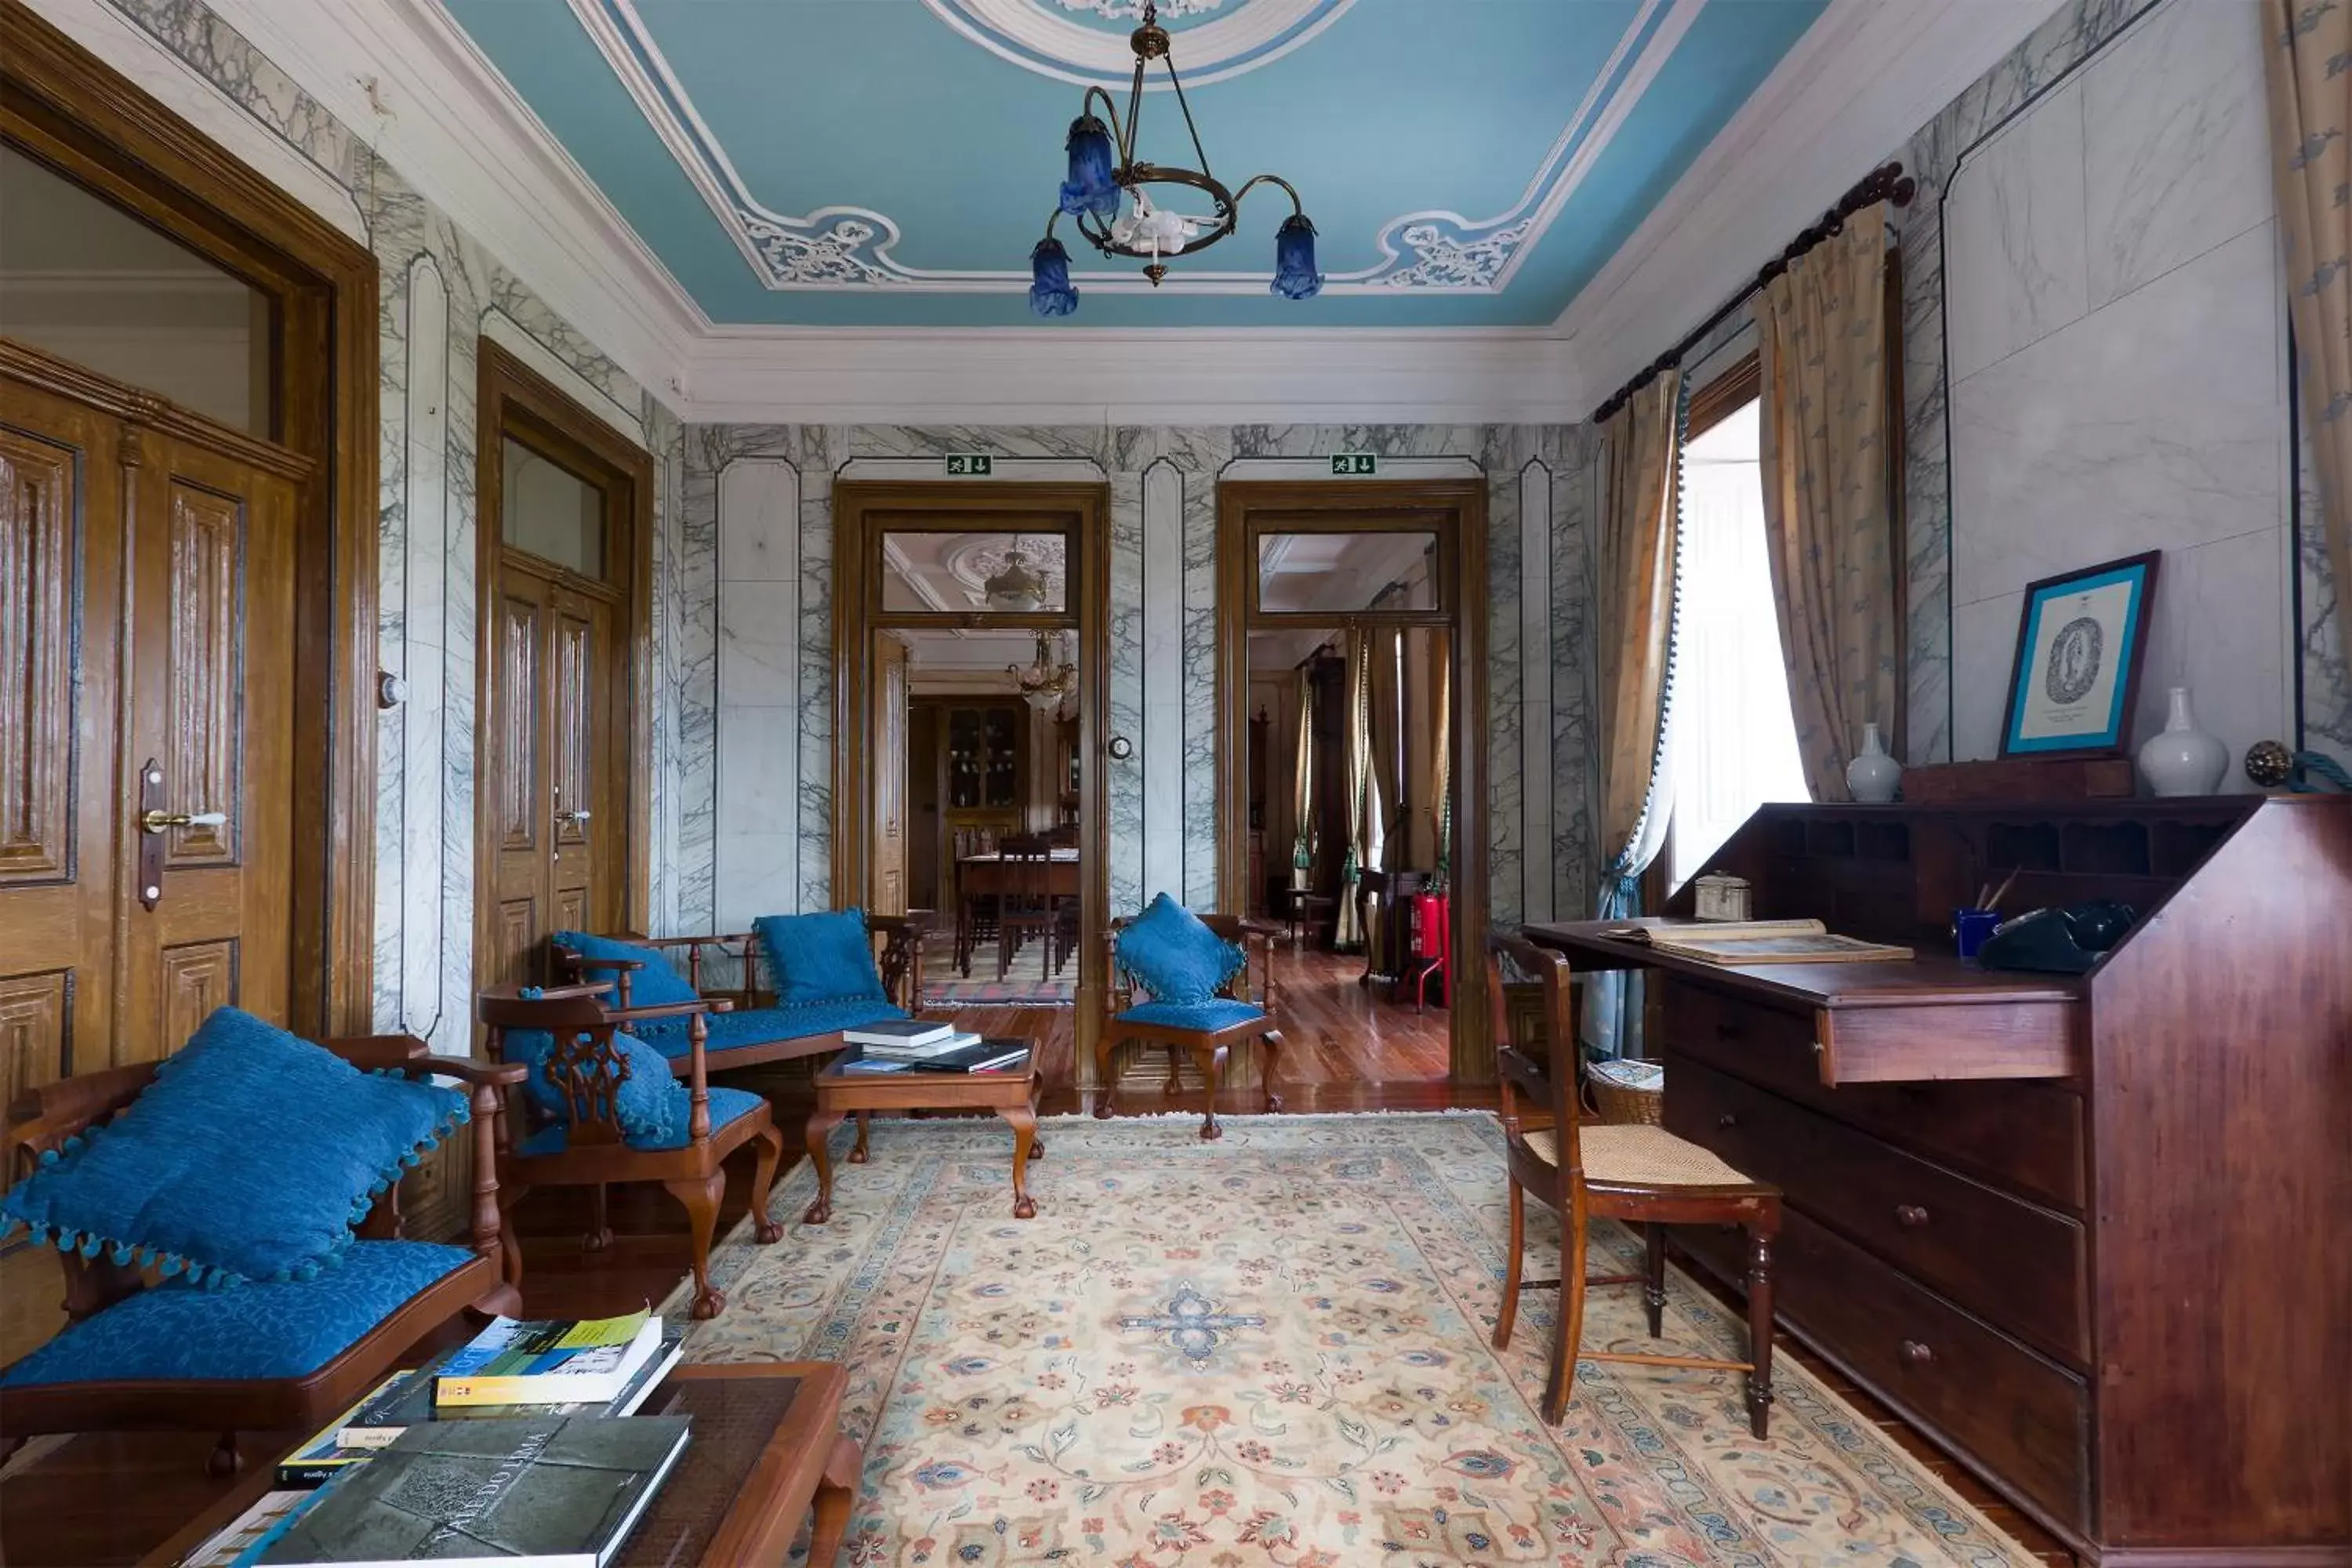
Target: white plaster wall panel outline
{"points": [[518, 341], [2013, 224], [756, 869], [424, 652], [1536, 798], [1161, 744]]}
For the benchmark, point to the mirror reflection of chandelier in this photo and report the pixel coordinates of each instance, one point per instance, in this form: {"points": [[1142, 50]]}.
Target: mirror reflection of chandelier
{"points": [[1015, 588], [1049, 679]]}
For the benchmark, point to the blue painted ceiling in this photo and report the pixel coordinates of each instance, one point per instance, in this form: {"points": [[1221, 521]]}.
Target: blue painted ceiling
{"points": [[1467, 163]]}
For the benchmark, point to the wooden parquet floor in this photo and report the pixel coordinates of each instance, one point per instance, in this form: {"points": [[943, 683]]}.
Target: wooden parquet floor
{"points": [[109, 1498]]}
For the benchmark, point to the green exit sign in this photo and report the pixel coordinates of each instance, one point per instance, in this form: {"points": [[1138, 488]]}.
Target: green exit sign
{"points": [[1355, 465], [970, 465]]}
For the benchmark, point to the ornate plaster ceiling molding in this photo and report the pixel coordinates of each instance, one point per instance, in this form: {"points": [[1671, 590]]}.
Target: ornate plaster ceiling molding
{"points": [[847, 247], [1085, 41]]}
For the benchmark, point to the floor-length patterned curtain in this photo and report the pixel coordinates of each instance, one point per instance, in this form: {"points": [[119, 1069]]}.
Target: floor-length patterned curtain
{"points": [[1349, 935], [1827, 512], [2311, 116], [1437, 795], [1387, 750], [1633, 568], [1304, 840]]}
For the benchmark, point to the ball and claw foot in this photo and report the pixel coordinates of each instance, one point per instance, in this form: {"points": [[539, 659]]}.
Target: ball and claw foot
{"points": [[767, 1230], [817, 1213]]}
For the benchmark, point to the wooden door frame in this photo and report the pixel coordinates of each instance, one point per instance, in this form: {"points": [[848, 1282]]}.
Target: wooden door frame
{"points": [[1456, 510], [67, 108], [857, 599], [511, 398]]}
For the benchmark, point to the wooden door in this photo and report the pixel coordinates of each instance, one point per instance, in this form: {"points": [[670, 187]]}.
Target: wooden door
{"points": [[889, 733], [549, 778], [146, 630]]}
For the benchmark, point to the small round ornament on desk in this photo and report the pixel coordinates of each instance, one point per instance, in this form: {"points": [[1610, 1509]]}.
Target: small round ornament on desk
{"points": [[2269, 763]]}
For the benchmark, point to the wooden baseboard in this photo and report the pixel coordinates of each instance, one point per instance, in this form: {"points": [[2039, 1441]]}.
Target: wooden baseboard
{"points": [[2337, 1556]]}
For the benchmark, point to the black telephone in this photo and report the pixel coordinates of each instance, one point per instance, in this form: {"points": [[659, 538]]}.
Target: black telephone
{"points": [[2057, 941]]}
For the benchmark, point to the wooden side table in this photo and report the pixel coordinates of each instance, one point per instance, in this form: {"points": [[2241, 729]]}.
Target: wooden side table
{"points": [[766, 1449], [1012, 1094]]}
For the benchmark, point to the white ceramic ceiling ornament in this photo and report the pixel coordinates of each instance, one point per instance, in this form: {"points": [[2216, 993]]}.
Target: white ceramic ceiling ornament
{"points": [[1079, 40]]}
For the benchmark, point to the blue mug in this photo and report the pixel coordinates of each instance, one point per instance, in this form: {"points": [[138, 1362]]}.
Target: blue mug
{"points": [[1971, 927]]}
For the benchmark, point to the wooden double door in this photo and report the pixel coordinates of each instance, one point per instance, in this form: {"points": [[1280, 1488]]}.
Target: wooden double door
{"points": [[147, 602]]}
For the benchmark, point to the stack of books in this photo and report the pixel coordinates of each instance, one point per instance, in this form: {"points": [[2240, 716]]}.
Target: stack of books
{"points": [[507, 1450], [921, 1045]]}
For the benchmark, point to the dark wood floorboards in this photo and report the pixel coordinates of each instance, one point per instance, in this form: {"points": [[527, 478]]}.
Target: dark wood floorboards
{"points": [[109, 1498]]}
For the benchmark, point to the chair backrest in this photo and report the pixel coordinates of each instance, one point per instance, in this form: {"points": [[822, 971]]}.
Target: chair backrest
{"points": [[583, 1066], [1028, 865], [1234, 928], [1535, 1039]]}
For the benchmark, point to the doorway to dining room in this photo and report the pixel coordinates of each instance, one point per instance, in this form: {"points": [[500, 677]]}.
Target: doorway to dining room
{"points": [[970, 650]]}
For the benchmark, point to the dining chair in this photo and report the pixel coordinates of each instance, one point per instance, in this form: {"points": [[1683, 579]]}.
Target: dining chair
{"points": [[1028, 907], [1641, 1174]]}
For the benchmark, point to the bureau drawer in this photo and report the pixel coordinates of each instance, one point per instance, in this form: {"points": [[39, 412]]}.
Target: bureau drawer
{"points": [[2026, 1135], [2019, 1265], [2023, 1419]]}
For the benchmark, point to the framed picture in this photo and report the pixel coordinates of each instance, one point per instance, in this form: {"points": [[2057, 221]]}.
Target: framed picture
{"points": [[2079, 641]]}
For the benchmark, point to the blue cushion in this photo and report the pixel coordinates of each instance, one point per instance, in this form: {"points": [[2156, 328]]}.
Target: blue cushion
{"points": [[1170, 953], [726, 1105], [249, 1157], [1216, 1013], [760, 1026], [826, 957], [283, 1329], [652, 986], [649, 1103]]}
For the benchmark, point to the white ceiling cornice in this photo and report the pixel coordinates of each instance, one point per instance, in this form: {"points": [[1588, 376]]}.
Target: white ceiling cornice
{"points": [[1867, 75]]}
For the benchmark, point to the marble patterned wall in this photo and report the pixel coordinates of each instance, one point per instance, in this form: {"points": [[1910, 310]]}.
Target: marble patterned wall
{"points": [[2094, 231], [441, 293], [750, 695]]}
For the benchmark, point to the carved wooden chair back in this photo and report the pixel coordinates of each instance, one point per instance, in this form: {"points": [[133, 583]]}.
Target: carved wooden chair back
{"points": [[1530, 990], [1257, 955], [584, 1065]]}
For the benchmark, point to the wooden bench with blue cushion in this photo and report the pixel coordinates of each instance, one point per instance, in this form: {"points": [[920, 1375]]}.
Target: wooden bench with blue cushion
{"points": [[167, 1330]]}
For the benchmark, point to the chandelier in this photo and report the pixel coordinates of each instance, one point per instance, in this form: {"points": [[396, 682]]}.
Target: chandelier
{"points": [[1108, 195], [1014, 587], [1047, 681]]}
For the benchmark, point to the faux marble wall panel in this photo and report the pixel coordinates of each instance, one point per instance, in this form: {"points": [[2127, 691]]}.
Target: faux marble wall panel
{"points": [[1162, 533], [440, 293], [2086, 420]]}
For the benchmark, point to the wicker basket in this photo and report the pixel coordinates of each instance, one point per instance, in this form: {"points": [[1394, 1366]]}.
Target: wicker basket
{"points": [[1628, 1090]]}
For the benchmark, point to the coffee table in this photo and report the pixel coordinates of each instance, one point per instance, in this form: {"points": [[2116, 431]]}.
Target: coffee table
{"points": [[1012, 1094], [766, 1449]]}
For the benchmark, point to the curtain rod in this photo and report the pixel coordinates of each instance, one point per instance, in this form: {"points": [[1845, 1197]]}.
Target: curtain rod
{"points": [[1887, 182]]}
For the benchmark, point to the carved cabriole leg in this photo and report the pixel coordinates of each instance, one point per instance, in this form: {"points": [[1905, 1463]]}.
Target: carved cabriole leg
{"points": [[858, 1153], [1571, 1331], [1211, 1060], [701, 1197], [763, 1179], [225, 1460], [511, 1243], [599, 1222], [1273, 1039], [820, 1123], [1105, 1079], [1175, 1083], [1507, 1316], [1760, 1331], [1022, 1119], [1654, 1276], [836, 1492]]}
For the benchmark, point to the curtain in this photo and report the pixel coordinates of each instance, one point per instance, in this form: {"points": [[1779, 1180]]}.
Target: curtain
{"points": [[1633, 572], [1386, 688], [1437, 795], [1827, 525], [2307, 47], [1305, 841], [1350, 936]]}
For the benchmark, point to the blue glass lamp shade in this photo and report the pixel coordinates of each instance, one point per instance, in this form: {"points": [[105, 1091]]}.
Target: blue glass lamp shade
{"points": [[1294, 277], [1051, 292], [1090, 187]]}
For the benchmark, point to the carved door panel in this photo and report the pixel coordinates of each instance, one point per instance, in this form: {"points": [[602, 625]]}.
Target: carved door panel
{"points": [[889, 892], [547, 766], [146, 626]]}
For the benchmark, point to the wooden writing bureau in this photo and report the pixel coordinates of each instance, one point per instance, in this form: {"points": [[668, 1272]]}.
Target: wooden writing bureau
{"points": [[2088, 1233]]}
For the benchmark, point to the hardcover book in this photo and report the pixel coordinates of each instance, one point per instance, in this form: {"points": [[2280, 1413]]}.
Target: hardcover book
{"points": [[980, 1057], [953, 1040], [898, 1032], [551, 1492], [407, 1400], [563, 1363], [1762, 941]]}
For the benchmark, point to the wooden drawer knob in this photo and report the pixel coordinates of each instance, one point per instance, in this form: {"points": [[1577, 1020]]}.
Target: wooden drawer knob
{"points": [[1916, 1354], [1910, 1216]]}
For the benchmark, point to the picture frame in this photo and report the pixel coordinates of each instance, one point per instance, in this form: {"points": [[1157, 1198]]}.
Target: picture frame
{"points": [[2081, 639]]}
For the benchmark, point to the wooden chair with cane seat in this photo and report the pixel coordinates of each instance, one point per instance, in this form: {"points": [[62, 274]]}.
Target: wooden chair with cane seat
{"points": [[1641, 1174]]}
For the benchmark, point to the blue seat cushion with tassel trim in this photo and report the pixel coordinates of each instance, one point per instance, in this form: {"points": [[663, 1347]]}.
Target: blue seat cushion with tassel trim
{"points": [[823, 957], [653, 986], [287, 1328], [249, 1157], [1216, 1013], [726, 1105], [648, 1104], [762, 1025], [1172, 952]]}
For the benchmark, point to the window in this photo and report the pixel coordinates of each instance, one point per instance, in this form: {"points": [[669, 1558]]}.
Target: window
{"points": [[1734, 744]]}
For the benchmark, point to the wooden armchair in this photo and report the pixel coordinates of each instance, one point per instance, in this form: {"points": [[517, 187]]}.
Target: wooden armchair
{"points": [[744, 1026], [1630, 1171], [1242, 1013], [471, 1276], [588, 1146]]}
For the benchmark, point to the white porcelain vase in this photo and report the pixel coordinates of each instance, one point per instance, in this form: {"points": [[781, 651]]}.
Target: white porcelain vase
{"points": [[2182, 759], [1873, 776]]}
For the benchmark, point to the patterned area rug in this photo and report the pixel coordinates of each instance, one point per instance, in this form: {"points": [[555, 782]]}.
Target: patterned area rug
{"points": [[1273, 1350]]}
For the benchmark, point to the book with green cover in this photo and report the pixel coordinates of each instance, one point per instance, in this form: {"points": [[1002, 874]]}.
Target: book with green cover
{"points": [[561, 1363], [548, 1492], [407, 1400], [318, 1461]]}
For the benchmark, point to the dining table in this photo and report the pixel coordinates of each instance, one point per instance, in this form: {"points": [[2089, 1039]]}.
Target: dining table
{"points": [[981, 878]]}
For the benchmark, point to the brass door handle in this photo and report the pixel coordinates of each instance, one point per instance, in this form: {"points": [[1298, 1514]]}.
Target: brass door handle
{"points": [[159, 821], [574, 818]]}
